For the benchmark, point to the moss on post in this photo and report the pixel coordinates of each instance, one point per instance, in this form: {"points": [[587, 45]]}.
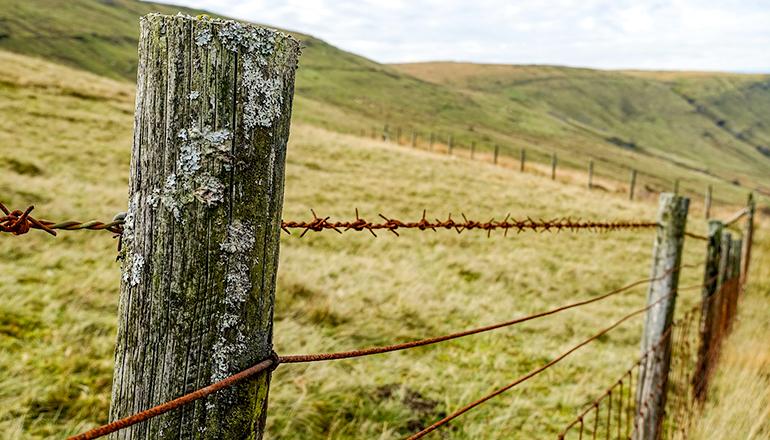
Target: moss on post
{"points": [[201, 237]]}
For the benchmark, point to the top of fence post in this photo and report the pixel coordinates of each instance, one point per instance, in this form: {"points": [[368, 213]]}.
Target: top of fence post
{"points": [[661, 297], [201, 236]]}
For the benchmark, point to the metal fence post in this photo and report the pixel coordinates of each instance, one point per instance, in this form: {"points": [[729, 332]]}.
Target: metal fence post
{"points": [[653, 371], [201, 237]]}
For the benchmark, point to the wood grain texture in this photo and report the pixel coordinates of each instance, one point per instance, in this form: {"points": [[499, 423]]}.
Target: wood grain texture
{"points": [[200, 247], [708, 318], [666, 259]]}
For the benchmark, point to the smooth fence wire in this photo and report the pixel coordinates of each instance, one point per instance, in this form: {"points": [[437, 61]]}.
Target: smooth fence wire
{"points": [[274, 361], [615, 414]]}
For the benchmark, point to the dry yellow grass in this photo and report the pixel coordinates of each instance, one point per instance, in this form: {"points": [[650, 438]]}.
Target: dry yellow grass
{"points": [[66, 151]]}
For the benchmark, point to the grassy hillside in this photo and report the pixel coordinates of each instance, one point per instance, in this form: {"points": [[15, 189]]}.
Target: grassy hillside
{"points": [[701, 129], [64, 144]]}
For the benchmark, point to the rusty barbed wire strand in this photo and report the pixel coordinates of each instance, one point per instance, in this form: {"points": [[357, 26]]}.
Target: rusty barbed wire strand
{"points": [[20, 222], [532, 373], [318, 224]]}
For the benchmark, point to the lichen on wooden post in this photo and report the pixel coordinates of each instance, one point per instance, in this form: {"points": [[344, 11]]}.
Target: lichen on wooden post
{"points": [[661, 297], [200, 246]]}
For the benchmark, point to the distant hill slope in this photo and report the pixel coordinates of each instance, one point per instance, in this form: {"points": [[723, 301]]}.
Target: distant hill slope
{"points": [[702, 129]]}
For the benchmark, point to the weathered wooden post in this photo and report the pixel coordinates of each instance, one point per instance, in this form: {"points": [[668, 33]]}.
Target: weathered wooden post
{"points": [[200, 246], [590, 174], [522, 159], [414, 139], [449, 145], [735, 281], [723, 287], [432, 139], [748, 238], [632, 185], [661, 297], [554, 159], [497, 153], [708, 311], [707, 204], [473, 149]]}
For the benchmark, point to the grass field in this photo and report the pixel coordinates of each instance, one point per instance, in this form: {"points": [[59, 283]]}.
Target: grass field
{"points": [[64, 146], [704, 129]]}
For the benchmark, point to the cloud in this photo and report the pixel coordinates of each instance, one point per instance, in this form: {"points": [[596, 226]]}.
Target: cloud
{"points": [[674, 34]]}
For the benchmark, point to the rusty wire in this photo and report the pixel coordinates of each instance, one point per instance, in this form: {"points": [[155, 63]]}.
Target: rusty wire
{"points": [[532, 373], [117, 425], [318, 224], [276, 360], [20, 222]]}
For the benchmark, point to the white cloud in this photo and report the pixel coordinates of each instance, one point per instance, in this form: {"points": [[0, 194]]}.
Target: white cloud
{"points": [[673, 34]]}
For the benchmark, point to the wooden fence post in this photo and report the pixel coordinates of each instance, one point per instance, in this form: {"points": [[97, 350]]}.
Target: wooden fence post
{"points": [[554, 159], [707, 203], [473, 149], [590, 174], [386, 133], [398, 135], [414, 139], [632, 185], [748, 238], [653, 371], [201, 238], [676, 186], [497, 152], [432, 139], [735, 281], [522, 159], [706, 347]]}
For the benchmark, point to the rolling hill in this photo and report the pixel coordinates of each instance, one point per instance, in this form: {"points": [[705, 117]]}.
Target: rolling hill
{"points": [[703, 129]]}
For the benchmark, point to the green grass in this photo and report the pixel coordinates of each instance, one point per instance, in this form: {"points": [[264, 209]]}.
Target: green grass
{"points": [[716, 138], [65, 141]]}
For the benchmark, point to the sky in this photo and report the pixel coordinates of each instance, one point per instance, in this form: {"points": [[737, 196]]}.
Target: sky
{"points": [[724, 35]]}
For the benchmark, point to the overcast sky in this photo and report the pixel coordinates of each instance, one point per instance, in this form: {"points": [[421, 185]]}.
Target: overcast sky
{"points": [[647, 34]]}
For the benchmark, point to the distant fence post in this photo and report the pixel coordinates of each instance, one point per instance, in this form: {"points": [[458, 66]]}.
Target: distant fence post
{"points": [[676, 186], [632, 185], [432, 139], [708, 317], [201, 237], [473, 149], [735, 282], [653, 371], [414, 139], [707, 207], [497, 152], [385, 133], [554, 159], [398, 135], [748, 238], [590, 174], [450, 145], [522, 159]]}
